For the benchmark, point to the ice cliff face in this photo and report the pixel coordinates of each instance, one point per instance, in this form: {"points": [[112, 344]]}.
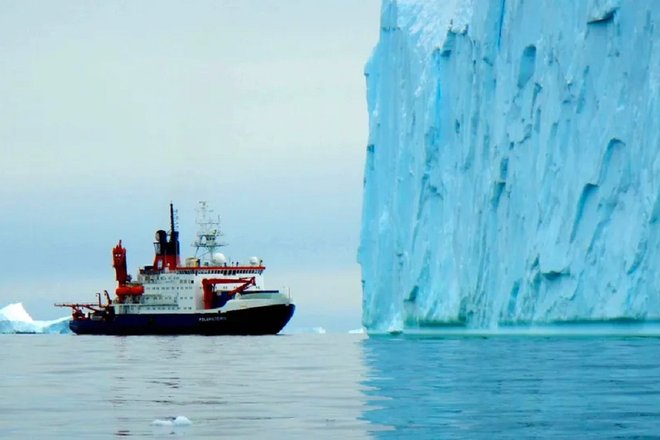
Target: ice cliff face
{"points": [[513, 165]]}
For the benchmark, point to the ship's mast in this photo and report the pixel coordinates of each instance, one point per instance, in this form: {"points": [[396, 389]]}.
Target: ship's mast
{"points": [[172, 226], [167, 250], [174, 239], [207, 240]]}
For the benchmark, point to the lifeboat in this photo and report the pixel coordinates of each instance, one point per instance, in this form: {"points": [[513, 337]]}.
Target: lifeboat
{"points": [[130, 290]]}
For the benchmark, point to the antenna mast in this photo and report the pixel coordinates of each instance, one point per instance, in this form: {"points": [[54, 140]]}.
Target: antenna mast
{"points": [[208, 235], [172, 223]]}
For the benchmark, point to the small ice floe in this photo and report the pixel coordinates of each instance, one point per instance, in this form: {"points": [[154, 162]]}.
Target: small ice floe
{"points": [[357, 331], [319, 330], [15, 319], [171, 424]]}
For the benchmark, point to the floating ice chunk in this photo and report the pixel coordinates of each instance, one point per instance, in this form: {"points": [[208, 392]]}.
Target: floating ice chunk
{"points": [[182, 421], [357, 331], [56, 326], [172, 421], [15, 312], [319, 330], [15, 319], [171, 425]]}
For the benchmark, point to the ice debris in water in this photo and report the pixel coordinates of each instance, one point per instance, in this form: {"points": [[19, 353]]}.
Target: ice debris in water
{"points": [[357, 331], [171, 424], [172, 421]]}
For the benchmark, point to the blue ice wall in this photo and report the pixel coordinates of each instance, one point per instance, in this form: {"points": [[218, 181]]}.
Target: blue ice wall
{"points": [[513, 163]]}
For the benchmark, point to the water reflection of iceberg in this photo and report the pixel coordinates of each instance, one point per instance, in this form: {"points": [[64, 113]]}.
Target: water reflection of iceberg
{"points": [[403, 391], [485, 387], [453, 387]]}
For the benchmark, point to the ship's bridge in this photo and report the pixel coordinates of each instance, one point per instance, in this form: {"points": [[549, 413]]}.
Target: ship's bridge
{"points": [[207, 270]]}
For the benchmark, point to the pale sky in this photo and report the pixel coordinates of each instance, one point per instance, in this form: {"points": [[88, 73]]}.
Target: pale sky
{"points": [[109, 110]]}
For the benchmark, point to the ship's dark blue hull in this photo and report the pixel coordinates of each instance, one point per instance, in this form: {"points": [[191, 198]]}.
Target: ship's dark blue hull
{"points": [[268, 320]]}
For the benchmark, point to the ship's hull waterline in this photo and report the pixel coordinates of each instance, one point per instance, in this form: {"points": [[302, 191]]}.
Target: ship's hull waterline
{"points": [[266, 320]]}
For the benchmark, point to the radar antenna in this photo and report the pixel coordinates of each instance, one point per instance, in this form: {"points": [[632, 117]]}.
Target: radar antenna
{"points": [[208, 235]]}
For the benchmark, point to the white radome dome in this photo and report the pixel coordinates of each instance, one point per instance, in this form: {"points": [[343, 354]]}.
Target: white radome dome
{"points": [[254, 261], [219, 258]]}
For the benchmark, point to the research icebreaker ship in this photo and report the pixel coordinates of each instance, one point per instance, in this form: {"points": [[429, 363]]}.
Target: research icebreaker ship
{"points": [[208, 295]]}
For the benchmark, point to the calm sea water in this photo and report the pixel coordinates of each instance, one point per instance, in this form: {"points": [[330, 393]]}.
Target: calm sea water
{"points": [[330, 386]]}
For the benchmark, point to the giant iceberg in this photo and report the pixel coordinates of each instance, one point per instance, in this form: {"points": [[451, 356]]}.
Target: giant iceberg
{"points": [[513, 165]]}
